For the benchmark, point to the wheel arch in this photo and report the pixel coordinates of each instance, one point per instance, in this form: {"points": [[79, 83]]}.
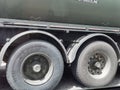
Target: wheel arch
{"points": [[72, 53], [42, 34]]}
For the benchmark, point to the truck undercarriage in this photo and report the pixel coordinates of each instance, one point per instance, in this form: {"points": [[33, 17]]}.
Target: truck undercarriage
{"points": [[72, 43]]}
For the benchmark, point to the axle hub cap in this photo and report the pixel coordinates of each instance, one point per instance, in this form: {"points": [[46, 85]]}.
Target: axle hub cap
{"points": [[37, 68]]}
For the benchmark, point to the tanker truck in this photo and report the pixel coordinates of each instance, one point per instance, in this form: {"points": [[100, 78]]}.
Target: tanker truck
{"points": [[38, 38]]}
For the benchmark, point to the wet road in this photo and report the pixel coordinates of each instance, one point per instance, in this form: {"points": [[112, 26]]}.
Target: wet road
{"points": [[67, 83]]}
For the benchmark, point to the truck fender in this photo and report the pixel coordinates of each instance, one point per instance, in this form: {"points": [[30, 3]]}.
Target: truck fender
{"points": [[73, 49], [16, 37]]}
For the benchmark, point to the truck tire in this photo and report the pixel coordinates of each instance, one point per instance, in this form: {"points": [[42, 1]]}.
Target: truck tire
{"points": [[96, 65], [35, 65]]}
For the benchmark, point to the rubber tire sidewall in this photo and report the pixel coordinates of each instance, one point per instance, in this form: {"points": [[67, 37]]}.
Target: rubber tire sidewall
{"points": [[14, 75], [81, 71]]}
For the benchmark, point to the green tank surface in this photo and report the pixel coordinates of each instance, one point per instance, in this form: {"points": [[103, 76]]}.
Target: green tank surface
{"points": [[87, 12]]}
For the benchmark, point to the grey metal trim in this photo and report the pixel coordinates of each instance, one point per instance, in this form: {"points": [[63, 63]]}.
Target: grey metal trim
{"points": [[15, 23], [7, 44], [72, 51]]}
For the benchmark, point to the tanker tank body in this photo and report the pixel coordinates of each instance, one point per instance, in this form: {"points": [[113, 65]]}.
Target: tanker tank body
{"points": [[86, 12], [39, 37]]}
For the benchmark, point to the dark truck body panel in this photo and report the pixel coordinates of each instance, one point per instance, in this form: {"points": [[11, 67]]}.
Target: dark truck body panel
{"points": [[86, 12]]}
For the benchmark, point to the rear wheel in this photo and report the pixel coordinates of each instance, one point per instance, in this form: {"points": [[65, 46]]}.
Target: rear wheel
{"points": [[35, 65], [96, 64]]}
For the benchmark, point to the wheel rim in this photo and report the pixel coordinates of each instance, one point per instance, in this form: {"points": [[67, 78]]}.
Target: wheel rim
{"points": [[37, 69], [98, 65]]}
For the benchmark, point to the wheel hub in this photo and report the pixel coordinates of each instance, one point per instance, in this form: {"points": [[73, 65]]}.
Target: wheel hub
{"points": [[37, 69], [96, 64]]}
